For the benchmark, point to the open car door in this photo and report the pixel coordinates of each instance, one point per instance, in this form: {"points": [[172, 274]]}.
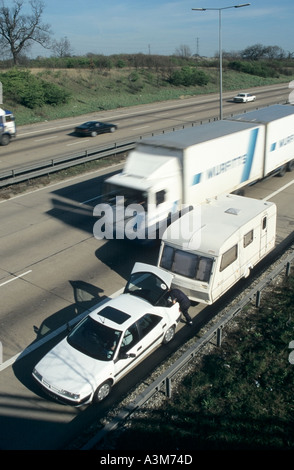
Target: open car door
{"points": [[148, 282]]}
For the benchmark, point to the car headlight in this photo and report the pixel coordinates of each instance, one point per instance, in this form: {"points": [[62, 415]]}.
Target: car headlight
{"points": [[37, 375], [72, 396], [64, 393]]}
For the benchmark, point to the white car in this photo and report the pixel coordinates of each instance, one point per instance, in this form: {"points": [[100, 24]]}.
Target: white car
{"points": [[244, 98], [111, 340]]}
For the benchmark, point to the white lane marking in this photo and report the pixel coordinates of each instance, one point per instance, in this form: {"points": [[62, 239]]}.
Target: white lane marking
{"points": [[90, 200], [45, 138], [15, 278], [42, 130], [270, 196], [138, 128], [76, 143]]}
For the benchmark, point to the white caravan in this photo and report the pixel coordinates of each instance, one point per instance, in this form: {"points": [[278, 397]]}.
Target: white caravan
{"points": [[210, 248]]}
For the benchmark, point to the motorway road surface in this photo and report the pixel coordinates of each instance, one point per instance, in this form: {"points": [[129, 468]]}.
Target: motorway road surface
{"points": [[48, 140], [51, 270], [64, 273]]}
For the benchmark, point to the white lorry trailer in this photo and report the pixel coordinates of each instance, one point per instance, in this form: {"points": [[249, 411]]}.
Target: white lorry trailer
{"points": [[188, 167], [7, 126], [279, 136], [207, 256]]}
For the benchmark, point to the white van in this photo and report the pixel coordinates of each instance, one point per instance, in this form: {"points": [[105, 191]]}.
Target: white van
{"points": [[229, 236]]}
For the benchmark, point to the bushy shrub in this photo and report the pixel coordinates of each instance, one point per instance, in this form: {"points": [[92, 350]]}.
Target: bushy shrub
{"points": [[259, 69], [31, 91], [188, 76]]}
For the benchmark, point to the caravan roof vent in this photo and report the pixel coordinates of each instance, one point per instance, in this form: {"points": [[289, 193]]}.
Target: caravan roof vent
{"points": [[232, 211]]}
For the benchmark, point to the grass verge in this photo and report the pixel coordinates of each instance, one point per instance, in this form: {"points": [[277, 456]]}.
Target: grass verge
{"points": [[239, 397], [92, 91]]}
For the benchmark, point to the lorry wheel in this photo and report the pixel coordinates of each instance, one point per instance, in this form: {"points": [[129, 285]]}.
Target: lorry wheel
{"points": [[102, 392], [290, 165], [5, 139], [169, 335], [282, 170]]}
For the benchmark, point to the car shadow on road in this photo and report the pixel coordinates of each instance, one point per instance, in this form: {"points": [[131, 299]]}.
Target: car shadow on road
{"points": [[86, 296], [120, 255], [57, 326]]}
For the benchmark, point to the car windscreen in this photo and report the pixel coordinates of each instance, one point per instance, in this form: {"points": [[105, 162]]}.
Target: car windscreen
{"points": [[147, 286], [94, 339]]}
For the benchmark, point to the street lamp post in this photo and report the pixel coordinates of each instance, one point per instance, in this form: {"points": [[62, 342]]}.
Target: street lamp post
{"points": [[220, 49]]}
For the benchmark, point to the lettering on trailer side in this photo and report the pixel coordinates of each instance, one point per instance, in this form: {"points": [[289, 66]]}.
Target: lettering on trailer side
{"points": [[281, 143], [246, 160]]}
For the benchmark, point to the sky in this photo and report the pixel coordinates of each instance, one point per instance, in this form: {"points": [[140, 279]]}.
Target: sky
{"points": [[161, 27]]}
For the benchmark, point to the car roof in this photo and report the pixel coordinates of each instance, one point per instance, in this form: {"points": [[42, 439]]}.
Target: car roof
{"points": [[122, 311]]}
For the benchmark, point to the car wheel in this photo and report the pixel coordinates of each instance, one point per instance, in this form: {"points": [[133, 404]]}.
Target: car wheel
{"points": [[102, 392], [93, 134], [169, 335], [112, 129]]}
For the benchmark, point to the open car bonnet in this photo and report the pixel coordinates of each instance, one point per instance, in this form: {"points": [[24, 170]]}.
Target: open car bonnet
{"points": [[166, 277]]}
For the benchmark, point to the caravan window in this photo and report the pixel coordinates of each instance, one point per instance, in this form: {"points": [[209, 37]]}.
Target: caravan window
{"points": [[186, 264], [229, 257], [160, 197], [248, 238], [264, 223]]}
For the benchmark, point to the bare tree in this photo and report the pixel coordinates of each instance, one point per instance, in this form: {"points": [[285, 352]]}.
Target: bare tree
{"points": [[183, 51], [19, 31], [254, 52], [62, 48]]}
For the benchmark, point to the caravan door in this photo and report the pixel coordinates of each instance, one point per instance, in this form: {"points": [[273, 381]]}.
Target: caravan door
{"points": [[263, 235]]}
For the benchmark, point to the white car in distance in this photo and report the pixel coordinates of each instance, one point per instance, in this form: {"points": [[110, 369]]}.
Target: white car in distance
{"points": [[244, 98], [111, 340]]}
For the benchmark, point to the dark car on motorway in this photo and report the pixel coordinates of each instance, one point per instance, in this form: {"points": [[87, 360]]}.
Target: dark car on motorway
{"points": [[92, 128]]}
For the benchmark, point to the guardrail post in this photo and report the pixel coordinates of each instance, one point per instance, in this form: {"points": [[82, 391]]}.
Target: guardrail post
{"points": [[258, 297], [168, 387], [219, 336], [288, 269]]}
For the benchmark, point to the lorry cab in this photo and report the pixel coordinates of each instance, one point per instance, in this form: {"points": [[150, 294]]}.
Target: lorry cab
{"points": [[143, 194], [232, 235], [7, 126]]}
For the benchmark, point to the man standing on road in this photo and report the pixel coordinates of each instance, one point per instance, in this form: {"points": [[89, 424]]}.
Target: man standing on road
{"points": [[178, 296]]}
